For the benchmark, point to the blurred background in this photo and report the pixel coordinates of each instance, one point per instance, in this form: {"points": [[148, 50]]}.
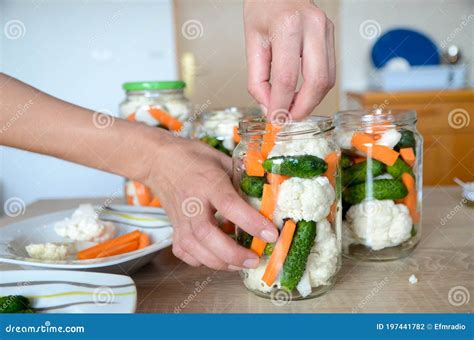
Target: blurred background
{"points": [[82, 52]]}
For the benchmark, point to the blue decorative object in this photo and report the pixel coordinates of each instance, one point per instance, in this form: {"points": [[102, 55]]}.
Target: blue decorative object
{"points": [[414, 47]]}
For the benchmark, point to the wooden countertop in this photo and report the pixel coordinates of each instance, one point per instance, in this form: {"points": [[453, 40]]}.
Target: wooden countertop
{"points": [[442, 262]]}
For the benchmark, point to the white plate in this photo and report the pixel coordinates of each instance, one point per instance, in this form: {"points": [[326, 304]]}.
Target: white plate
{"points": [[58, 291], [14, 237]]}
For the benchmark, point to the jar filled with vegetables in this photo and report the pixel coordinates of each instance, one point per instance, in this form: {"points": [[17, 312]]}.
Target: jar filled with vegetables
{"points": [[290, 173], [155, 103], [218, 128], [381, 166]]}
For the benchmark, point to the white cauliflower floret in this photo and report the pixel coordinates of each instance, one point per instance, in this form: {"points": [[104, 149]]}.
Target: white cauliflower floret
{"points": [[84, 225], [323, 259], [344, 139], [379, 224], [384, 176], [221, 124], [389, 138], [304, 199], [253, 278], [253, 201], [47, 251]]}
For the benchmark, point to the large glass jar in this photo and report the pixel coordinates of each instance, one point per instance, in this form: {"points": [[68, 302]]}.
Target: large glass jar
{"points": [[155, 103], [382, 164], [218, 128], [290, 173]]}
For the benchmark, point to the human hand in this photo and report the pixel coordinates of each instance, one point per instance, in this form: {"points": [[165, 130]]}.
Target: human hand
{"points": [[284, 38], [192, 182]]}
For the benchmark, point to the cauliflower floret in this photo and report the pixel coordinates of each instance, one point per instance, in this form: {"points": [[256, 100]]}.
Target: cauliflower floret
{"points": [[253, 278], [304, 199], [384, 176], [222, 125], [47, 251], [253, 201], [389, 138], [379, 224], [322, 261], [344, 139], [84, 225]]}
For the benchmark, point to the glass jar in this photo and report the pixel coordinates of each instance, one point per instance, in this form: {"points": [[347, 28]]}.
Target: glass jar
{"points": [[382, 164], [155, 103], [218, 128], [290, 173]]}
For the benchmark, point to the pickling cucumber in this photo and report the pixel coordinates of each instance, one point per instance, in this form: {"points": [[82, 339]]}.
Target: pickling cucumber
{"points": [[407, 140], [305, 166], [244, 238], [358, 172], [295, 262], [382, 189], [252, 185], [216, 144], [13, 304], [269, 249], [398, 168], [345, 161]]}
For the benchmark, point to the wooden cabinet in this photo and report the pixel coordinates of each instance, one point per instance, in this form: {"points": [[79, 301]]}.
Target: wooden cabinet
{"points": [[446, 121]]}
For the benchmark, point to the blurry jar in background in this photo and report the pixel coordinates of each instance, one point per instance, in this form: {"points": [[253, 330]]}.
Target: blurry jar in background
{"points": [[290, 174], [382, 165], [218, 128], [155, 103]]}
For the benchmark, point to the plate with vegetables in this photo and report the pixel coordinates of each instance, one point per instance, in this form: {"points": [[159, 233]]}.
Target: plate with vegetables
{"points": [[53, 291], [87, 238]]}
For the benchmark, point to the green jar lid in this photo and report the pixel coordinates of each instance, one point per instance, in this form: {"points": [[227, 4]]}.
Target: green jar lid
{"points": [[154, 85]]}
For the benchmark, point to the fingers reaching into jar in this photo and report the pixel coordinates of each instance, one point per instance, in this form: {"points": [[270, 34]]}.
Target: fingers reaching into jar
{"points": [[283, 40], [194, 183]]}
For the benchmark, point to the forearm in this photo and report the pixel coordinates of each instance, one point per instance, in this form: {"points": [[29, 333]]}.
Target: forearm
{"points": [[34, 121]]}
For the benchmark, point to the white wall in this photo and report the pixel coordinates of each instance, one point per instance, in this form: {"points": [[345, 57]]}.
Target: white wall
{"points": [[80, 51], [436, 18]]}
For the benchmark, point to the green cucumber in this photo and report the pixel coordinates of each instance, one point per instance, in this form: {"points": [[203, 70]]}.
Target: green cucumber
{"points": [[269, 249], [295, 262], [398, 168], [244, 238], [382, 189], [305, 166], [358, 172], [252, 185], [13, 303], [345, 161], [407, 140], [216, 144]]}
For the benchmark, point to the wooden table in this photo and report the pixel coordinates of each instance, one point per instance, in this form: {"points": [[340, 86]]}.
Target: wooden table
{"points": [[442, 262]]}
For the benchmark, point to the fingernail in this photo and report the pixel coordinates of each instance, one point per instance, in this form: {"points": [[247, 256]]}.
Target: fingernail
{"points": [[231, 267], [269, 235], [251, 263]]}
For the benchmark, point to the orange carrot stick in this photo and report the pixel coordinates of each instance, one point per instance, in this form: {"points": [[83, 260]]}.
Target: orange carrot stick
{"points": [[143, 193], [92, 252], [366, 144], [410, 200], [276, 179], [332, 160], [143, 241], [254, 162], [119, 249], [268, 139], [155, 202], [132, 117], [258, 246], [236, 135], [408, 155], [269, 200], [357, 160], [166, 119], [277, 259]]}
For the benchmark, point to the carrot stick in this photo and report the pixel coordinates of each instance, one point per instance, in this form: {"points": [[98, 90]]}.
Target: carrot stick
{"points": [[132, 117], [332, 160], [228, 227], [166, 119], [143, 193], [92, 252], [236, 135], [258, 246], [268, 139], [277, 259], [408, 155], [410, 200], [357, 160], [155, 202], [366, 144], [254, 162], [119, 249], [276, 179], [143, 241]]}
